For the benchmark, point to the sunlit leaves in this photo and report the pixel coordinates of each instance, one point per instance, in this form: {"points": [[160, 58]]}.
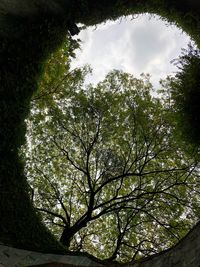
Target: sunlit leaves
{"points": [[106, 168]]}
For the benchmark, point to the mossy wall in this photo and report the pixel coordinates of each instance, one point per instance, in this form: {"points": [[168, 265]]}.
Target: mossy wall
{"points": [[22, 56], [26, 40]]}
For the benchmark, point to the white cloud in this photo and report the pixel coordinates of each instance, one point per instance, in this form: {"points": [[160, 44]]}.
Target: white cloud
{"points": [[135, 46]]}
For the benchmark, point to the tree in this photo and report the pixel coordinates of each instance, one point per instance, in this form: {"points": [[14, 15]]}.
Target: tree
{"points": [[184, 91], [106, 173]]}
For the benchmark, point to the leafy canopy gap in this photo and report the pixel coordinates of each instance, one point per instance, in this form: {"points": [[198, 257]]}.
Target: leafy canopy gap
{"points": [[105, 171]]}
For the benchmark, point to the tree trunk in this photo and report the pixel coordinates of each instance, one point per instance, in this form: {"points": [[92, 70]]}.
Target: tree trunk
{"points": [[66, 237]]}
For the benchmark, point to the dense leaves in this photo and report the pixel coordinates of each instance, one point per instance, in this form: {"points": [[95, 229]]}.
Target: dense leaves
{"points": [[26, 42], [105, 170], [184, 91]]}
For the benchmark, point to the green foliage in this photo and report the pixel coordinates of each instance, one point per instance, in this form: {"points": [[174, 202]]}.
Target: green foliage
{"points": [[106, 171], [184, 92], [25, 45]]}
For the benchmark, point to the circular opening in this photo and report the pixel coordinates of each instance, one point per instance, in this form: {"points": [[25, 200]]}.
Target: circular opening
{"points": [[107, 174]]}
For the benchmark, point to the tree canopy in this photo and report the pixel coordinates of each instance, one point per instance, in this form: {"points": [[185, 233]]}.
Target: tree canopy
{"points": [[184, 91], [105, 171]]}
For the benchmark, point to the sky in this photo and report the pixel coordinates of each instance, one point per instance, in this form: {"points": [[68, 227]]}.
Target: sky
{"points": [[139, 45]]}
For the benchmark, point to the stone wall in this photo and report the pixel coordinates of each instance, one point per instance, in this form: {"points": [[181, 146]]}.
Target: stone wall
{"points": [[185, 254], [13, 257]]}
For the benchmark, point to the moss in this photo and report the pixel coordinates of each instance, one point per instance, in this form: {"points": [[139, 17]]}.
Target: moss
{"points": [[173, 11], [22, 57]]}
